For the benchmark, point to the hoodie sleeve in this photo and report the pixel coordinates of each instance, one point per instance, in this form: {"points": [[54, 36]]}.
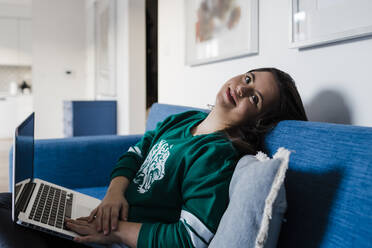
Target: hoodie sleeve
{"points": [[130, 162]]}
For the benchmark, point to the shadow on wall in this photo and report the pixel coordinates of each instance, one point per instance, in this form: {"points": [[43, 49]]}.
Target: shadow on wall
{"points": [[328, 106]]}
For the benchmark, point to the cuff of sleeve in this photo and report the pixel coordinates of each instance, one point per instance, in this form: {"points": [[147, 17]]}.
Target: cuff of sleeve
{"points": [[128, 173], [128, 167], [144, 236]]}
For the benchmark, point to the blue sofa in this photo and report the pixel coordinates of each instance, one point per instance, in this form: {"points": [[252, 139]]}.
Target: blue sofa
{"points": [[328, 184]]}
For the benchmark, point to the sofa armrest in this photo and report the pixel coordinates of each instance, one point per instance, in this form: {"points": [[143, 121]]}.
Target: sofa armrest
{"points": [[78, 162]]}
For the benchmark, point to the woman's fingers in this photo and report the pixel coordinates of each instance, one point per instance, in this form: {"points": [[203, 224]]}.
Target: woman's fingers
{"points": [[99, 220], [84, 218], [106, 215], [114, 217], [85, 239], [124, 212], [79, 229], [78, 222], [106, 220], [93, 214]]}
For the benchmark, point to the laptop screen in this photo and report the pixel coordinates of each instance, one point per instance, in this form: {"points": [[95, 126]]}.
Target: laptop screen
{"points": [[23, 155]]}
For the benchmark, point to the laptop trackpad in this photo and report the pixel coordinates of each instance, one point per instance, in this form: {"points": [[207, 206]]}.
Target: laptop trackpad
{"points": [[81, 211]]}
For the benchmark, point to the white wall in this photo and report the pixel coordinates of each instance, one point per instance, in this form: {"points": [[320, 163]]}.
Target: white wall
{"points": [[58, 46], [14, 9], [343, 68]]}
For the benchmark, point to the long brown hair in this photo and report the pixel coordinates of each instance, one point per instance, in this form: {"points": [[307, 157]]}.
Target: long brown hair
{"points": [[249, 139]]}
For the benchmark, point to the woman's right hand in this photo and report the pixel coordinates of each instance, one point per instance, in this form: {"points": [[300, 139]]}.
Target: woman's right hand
{"points": [[113, 207]]}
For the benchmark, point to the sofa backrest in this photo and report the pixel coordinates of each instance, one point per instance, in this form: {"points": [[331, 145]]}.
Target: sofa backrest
{"points": [[328, 183], [159, 112]]}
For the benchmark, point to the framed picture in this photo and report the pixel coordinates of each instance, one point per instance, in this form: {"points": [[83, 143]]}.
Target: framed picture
{"points": [[220, 29], [316, 22]]}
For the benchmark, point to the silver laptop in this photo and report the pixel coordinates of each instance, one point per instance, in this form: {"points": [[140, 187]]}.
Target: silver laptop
{"points": [[39, 204]]}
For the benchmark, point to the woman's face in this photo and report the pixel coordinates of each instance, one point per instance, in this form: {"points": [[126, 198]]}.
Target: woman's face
{"points": [[247, 97]]}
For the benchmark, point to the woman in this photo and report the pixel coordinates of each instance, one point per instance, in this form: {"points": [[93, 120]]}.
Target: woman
{"points": [[171, 189], [181, 205]]}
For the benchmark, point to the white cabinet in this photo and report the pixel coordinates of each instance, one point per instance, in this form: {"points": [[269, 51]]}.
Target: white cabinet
{"points": [[9, 41], [15, 41]]}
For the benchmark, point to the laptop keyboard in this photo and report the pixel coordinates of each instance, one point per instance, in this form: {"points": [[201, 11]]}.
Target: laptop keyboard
{"points": [[51, 206]]}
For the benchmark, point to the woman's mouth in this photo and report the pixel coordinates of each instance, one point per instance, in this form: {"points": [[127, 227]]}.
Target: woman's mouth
{"points": [[230, 96]]}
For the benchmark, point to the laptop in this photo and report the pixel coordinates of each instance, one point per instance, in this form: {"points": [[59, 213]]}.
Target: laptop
{"points": [[39, 204]]}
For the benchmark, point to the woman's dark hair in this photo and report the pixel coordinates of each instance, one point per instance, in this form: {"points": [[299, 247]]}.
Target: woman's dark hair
{"points": [[250, 138]]}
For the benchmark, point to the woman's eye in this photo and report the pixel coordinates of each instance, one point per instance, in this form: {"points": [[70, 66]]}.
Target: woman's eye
{"points": [[255, 99], [247, 79]]}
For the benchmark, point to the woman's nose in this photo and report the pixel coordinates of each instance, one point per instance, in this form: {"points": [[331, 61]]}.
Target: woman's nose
{"points": [[243, 90]]}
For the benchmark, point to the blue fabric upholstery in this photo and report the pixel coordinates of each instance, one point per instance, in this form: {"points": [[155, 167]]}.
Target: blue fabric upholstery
{"points": [[159, 112], [78, 162], [328, 183]]}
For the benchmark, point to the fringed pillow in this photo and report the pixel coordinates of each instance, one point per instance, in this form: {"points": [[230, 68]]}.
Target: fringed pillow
{"points": [[257, 203]]}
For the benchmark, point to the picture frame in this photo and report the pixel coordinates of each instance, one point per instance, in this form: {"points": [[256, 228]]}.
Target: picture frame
{"points": [[220, 30], [318, 22]]}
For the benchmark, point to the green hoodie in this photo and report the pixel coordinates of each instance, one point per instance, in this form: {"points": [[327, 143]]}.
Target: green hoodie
{"points": [[179, 182]]}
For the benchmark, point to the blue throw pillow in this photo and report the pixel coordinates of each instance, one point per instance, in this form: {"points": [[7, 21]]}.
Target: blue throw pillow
{"points": [[257, 203]]}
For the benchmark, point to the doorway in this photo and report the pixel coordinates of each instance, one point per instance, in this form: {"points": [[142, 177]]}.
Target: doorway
{"points": [[151, 52]]}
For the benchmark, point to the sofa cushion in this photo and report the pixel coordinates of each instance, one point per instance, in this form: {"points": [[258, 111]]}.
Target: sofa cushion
{"points": [[257, 203]]}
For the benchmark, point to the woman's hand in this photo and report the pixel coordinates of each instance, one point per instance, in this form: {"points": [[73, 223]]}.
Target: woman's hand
{"points": [[89, 233], [126, 233], [106, 215]]}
